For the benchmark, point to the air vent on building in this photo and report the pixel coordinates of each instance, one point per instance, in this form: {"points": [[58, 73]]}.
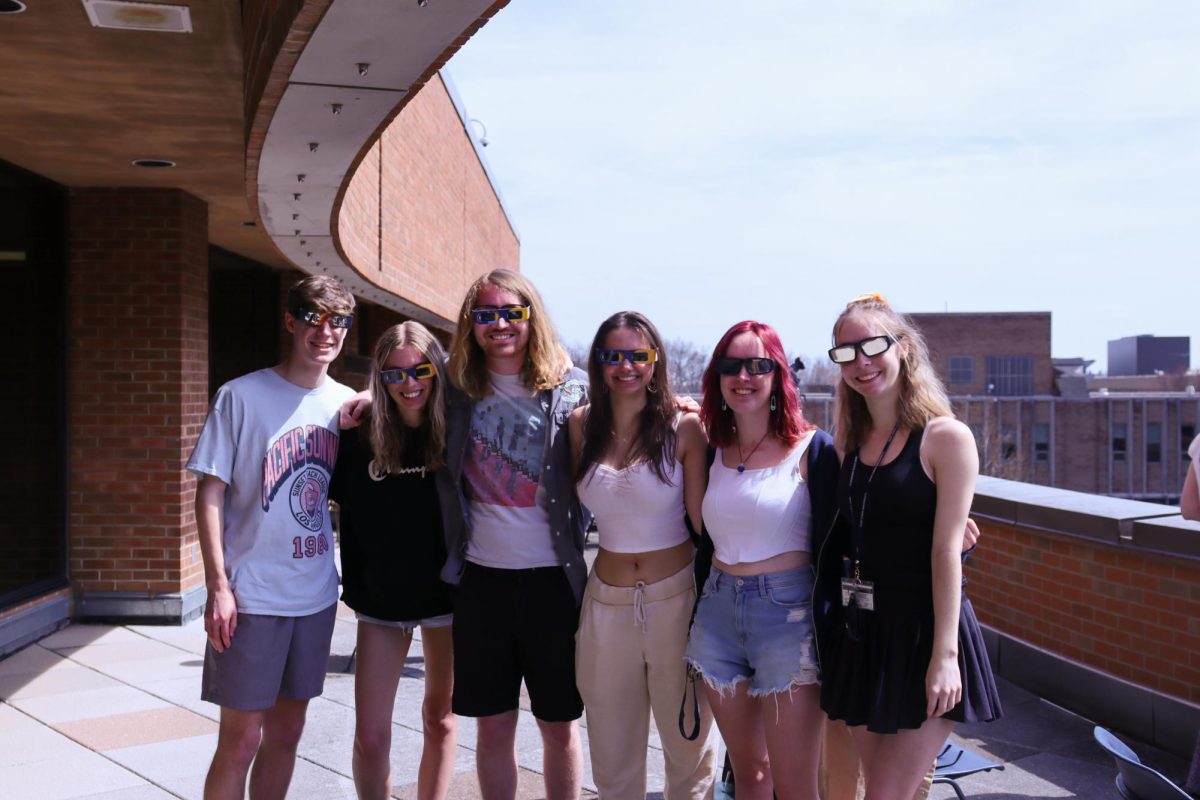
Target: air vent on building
{"points": [[130, 15]]}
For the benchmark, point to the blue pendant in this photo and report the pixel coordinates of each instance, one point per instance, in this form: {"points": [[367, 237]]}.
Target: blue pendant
{"points": [[741, 467]]}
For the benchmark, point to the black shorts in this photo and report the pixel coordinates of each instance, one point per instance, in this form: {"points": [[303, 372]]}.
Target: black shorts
{"points": [[511, 624]]}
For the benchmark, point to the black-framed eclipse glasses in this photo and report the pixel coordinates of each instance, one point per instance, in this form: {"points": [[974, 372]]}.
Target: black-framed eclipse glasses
{"points": [[317, 318], [611, 356], [727, 365], [870, 347]]}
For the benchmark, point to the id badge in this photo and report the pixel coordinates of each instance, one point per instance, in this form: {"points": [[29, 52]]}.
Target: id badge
{"points": [[858, 592], [864, 595]]}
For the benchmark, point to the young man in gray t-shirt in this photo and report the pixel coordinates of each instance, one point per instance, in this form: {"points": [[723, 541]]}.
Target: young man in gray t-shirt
{"points": [[264, 461]]}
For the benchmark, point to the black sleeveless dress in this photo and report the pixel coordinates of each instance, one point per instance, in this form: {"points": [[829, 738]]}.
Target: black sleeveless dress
{"points": [[878, 679]]}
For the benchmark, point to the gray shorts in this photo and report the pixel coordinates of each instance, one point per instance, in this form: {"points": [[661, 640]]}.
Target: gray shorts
{"points": [[269, 658]]}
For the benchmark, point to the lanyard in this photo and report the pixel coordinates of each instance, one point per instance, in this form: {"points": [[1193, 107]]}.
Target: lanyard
{"points": [[862, 513]]}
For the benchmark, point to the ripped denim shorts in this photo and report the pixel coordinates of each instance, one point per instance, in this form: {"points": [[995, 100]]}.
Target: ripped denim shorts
{"points": [[755, 628]]}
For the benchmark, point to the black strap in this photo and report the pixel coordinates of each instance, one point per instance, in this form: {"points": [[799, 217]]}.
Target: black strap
{"points": [[691, 679]]}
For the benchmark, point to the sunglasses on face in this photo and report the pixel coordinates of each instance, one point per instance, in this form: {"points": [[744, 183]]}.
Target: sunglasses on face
{"points": [[611, 357], [728, 365], [490, 316], [318, 318], [874, 346], [420, 372]]}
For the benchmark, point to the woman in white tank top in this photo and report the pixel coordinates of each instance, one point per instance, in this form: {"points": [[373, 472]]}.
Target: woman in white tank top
{"points": [[752, 639], [638, 466]]}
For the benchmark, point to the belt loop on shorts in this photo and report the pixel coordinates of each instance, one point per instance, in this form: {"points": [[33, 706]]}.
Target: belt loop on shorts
{"points": [[639, 605]]}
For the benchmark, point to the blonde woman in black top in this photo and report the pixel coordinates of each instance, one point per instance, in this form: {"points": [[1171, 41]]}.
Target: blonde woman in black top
{"points": [[392, 551]]}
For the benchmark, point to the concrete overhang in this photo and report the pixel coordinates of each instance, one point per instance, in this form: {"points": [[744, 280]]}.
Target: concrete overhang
{"points": [[353, 74], [80, 103]]}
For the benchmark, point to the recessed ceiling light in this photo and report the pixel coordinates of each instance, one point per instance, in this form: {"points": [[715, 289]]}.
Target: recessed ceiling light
{"points": [[11, 6], [139, 16], [153, 163]]}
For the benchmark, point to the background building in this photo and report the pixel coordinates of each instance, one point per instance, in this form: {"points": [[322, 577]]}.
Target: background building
{"points": [[1149, 355], [275, 138]]}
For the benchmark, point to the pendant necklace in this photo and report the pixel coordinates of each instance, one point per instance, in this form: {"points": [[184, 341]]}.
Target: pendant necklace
{"points": [[742, 459]]}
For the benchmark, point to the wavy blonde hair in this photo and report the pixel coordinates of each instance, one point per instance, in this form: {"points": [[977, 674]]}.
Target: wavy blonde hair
{"points": [[545, 358], [922, 395], [389, 434]]}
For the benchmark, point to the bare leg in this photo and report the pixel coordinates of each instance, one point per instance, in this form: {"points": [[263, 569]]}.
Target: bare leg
{"points": [[496, 755], [792, 727], [440, 724], [840, 774], [739, 718], [378, 663], [281, 728], [896, 763], [562, 760], [238, 737]]}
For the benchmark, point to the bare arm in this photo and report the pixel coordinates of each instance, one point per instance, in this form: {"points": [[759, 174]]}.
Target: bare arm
{"points": [[950, 448], [1189, 501], [693, 451], [352, 411], [220, 609]]}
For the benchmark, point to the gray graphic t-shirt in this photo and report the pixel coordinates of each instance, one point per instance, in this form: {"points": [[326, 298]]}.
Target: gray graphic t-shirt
{"points": [[275, 444]]}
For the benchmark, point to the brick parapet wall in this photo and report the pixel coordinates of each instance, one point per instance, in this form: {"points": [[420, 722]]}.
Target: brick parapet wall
{"points": [[1125, 610], [138, 387]]}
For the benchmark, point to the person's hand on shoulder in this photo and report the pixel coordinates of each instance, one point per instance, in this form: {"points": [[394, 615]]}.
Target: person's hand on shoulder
{"points": [[353, 410]]}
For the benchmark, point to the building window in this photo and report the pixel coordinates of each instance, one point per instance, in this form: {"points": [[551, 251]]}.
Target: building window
{"points": [[1186, 434], [962, 369], [1153, 442], [1010, 376], [1120, 441], [1041, 441]]}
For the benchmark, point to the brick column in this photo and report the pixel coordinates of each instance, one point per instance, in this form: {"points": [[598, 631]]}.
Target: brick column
{"points": [[138, 395]]}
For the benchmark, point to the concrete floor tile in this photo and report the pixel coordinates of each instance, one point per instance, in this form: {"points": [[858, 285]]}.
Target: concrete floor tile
{"points": [[26, 741], [176, 665], [184, 692], [162, 762], [328, 737], [137, 728], [33, 660], [97, 655], [70, 706], [189, 637], [145, 792], [54, 681], [82, 634], [69, 778]]}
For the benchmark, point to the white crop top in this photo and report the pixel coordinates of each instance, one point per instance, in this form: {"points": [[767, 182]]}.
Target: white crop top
{"points": [[635, 511], [760, 513]]}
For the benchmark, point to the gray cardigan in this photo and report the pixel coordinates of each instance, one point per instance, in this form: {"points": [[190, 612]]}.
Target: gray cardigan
{"points": [[568, 519]]}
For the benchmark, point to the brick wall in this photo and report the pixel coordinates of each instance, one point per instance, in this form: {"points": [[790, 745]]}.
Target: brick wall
{"points": [[138, 387], [420, 218], [1129, 613], [989, 334]]}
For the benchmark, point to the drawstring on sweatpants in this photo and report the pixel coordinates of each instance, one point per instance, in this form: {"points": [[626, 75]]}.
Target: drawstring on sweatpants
{"points": [[639, 605]]}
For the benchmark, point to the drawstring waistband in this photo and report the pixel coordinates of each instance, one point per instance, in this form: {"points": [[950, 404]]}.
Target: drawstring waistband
{"points": [[639, 605]]}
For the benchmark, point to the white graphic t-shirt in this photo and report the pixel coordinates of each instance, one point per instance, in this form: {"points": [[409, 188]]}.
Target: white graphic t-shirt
{"points": [[510, 527], [275, 444]]}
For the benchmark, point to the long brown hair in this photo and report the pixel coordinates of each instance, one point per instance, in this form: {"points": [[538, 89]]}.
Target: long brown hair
{"points": [[545, 359], [654, 440], [922, 396], [389, 434]]}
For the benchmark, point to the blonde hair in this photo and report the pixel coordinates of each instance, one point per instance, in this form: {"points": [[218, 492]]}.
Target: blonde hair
{"points": [[545, 357], [922, 396], [389, 434]]}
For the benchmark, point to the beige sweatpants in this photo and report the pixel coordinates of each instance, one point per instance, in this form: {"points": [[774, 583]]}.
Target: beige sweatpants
{"points": [[629, 663]]}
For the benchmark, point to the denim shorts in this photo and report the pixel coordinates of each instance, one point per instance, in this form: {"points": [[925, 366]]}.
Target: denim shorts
{"points": [[755, 628]]}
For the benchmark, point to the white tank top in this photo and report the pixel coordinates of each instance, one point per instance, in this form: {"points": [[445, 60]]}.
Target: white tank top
{"points": [[760, 513], [635, 511]]}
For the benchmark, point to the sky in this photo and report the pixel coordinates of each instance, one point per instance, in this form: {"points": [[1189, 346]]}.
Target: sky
{"points": [[707, 162]]}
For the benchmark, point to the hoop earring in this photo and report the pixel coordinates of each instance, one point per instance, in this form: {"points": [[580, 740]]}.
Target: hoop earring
{"points": [[652, 387], [772, 402]]}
